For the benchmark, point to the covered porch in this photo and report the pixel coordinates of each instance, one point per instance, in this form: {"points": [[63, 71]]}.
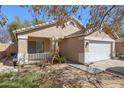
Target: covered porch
{"points": [[35, 49]]}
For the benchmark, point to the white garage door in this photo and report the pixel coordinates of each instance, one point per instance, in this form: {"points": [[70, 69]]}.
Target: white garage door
{"points": [[99, 50]]}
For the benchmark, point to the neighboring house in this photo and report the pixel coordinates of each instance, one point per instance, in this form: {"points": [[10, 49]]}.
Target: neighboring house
{"points": [[71, 40], [119, 46], [3, 47], [6, 49]]}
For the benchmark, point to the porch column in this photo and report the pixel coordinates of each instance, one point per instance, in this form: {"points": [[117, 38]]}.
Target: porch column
{"points": [[54, 47], [23, 50], [113, 49], [86, 52], [52, 43]]}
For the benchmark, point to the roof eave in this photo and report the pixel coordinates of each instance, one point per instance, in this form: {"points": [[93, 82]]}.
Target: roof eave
{"points": [[22, 30]]}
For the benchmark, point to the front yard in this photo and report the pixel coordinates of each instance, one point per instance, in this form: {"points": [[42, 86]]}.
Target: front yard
{"points": [[58, 76]]}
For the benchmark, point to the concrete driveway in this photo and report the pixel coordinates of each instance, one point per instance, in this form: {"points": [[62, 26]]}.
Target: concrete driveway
{"points": [[107, 64]]}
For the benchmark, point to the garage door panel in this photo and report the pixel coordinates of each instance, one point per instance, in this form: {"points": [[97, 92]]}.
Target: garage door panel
{"points": [[99, 51]]}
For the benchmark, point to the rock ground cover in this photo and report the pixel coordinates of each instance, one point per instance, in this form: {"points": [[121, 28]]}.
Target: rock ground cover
{"points": [[7, 69], [62, 75]]}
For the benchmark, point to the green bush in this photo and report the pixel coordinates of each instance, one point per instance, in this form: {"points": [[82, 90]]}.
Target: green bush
{"points": [[26, 80], [60, 58]]}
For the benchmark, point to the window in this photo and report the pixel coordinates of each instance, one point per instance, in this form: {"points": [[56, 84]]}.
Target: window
{"points": [[35, 47], [39, 47], [31, 47]]}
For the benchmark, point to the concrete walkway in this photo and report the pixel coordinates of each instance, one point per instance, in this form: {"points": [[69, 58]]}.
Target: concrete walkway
{"points": [[86, 68]]}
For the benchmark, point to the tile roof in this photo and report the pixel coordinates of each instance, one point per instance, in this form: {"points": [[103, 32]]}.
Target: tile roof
{"points": [[45, 25]]}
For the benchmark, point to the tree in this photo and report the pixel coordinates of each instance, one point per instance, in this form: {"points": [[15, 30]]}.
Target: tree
{"points": [[121, 34], [16, 25], [11, 27], [34, 22], [3, 18], [98, 15], [112, 15], [4, 36]]}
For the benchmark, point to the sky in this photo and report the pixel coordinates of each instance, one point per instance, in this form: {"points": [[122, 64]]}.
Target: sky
{"points": [[10, 11], [13, 10]]}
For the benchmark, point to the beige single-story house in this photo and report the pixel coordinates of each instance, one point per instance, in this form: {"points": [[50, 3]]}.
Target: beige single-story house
{"points": [[119, 46], [72, 41]]}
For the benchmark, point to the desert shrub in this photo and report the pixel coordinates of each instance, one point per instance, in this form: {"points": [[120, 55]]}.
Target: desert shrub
{"points": [[60, 59], [26, 80]]}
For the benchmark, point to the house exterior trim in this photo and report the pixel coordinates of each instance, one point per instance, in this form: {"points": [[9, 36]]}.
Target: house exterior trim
{"points": [[99, 39]]}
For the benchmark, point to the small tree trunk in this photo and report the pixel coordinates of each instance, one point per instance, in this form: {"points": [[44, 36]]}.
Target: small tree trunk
{"points": [[19, 68]]}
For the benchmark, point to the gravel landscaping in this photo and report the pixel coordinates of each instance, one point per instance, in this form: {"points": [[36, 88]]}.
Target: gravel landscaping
{"points": [[61, 75], [7, 69], [69, 76]]}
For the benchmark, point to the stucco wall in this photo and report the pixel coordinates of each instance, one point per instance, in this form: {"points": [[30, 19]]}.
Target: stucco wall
{"points": [[51, 31], [22, 45], [119, 47], [71, 48], [100, 34]]}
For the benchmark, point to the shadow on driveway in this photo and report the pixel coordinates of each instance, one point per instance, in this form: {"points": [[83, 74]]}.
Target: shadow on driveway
{"points": [[116, 70]]}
